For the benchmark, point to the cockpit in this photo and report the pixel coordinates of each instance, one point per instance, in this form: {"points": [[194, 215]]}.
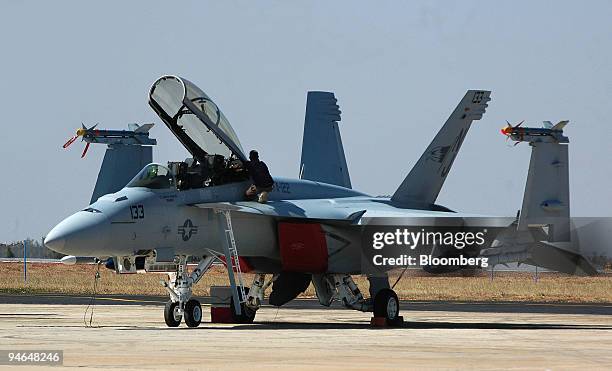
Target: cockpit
{"points": [[153, 176], [201, 127]]}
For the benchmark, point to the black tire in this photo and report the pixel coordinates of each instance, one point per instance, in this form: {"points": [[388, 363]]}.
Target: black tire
{"points": [[386, 304], [193, 313], [247, 314], [169, 315]]}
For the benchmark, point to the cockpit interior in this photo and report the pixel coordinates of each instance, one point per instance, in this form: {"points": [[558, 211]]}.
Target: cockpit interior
{"points": [[199, 124]]}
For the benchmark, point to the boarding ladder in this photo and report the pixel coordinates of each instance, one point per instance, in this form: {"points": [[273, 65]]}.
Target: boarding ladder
{"points": [[232, 259]]}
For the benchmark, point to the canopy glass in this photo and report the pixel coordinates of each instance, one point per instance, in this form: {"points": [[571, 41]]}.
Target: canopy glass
{"points": [[194, 118], [153, 176]]}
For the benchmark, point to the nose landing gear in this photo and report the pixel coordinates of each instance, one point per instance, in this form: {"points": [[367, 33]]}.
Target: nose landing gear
{"points": [[173, 315], [179, 287]]}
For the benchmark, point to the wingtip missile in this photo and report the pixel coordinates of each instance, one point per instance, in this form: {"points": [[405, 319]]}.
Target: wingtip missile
{"points": [[81, 132], [138, 135], [527, 134]]}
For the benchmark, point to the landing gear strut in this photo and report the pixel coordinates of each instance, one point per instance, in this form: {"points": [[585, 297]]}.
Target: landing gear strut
{"points": [[254, 298], [247, 313], [180, 289], [341, 287]]}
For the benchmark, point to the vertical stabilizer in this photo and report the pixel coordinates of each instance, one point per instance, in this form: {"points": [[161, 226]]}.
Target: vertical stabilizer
{"points": [[121, 163], [542, 235], [323, 157], [425, 180], [546, 199]]}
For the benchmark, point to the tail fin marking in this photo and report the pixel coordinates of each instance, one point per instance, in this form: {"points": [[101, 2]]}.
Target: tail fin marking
{"points": [[425, 180]]}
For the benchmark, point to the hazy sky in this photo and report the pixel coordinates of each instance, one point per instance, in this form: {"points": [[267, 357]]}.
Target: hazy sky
{"points": [[398, 69]]}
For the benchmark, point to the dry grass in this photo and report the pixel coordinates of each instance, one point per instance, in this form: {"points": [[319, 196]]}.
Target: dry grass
{"points": [[416, 285]]}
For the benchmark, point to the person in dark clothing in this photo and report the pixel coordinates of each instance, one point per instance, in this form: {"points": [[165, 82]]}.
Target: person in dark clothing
{"points": [[262, 180]]}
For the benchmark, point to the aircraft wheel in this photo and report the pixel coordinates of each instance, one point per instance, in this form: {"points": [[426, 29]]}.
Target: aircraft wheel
{"points": [[193, 313], [386, 304], [247, 314], [173, 319]]}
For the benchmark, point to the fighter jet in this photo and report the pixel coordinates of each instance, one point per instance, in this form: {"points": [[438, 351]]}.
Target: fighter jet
{"points": [[308, 231]]}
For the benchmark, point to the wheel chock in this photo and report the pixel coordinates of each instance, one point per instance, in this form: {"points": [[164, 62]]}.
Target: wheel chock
{"points": [[383, 322]]}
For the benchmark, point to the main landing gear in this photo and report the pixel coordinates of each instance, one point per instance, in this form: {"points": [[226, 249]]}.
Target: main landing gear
{"points": [[254, 298], [331, 287], [386, 305]]}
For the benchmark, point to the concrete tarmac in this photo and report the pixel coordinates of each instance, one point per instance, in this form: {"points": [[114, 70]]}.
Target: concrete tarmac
{"points": [[129, 333]]}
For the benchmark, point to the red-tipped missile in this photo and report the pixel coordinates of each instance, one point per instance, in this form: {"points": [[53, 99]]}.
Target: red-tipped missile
{"points": [[525, 134], [139, 134]]}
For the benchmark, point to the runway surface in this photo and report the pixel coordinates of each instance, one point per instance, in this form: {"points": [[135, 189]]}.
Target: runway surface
{"points": [[130, 334]]}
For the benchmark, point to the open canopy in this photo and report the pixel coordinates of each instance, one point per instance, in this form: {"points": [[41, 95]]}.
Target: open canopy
{"points": [[194, 118]]}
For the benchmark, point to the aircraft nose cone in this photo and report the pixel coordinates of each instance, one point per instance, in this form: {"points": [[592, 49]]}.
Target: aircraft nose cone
{"points": [[81, 234], [55, 240]]}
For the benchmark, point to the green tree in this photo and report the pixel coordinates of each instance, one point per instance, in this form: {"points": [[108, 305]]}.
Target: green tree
{"points": [[9, 253]]}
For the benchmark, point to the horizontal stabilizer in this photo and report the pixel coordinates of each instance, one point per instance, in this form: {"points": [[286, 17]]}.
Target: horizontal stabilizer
{"points": [[551, 257], [528, 247], [425, 180]]}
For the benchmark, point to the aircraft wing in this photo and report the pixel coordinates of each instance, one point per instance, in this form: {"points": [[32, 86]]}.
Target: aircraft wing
{"points": [[321, 210], [353, 212]]}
